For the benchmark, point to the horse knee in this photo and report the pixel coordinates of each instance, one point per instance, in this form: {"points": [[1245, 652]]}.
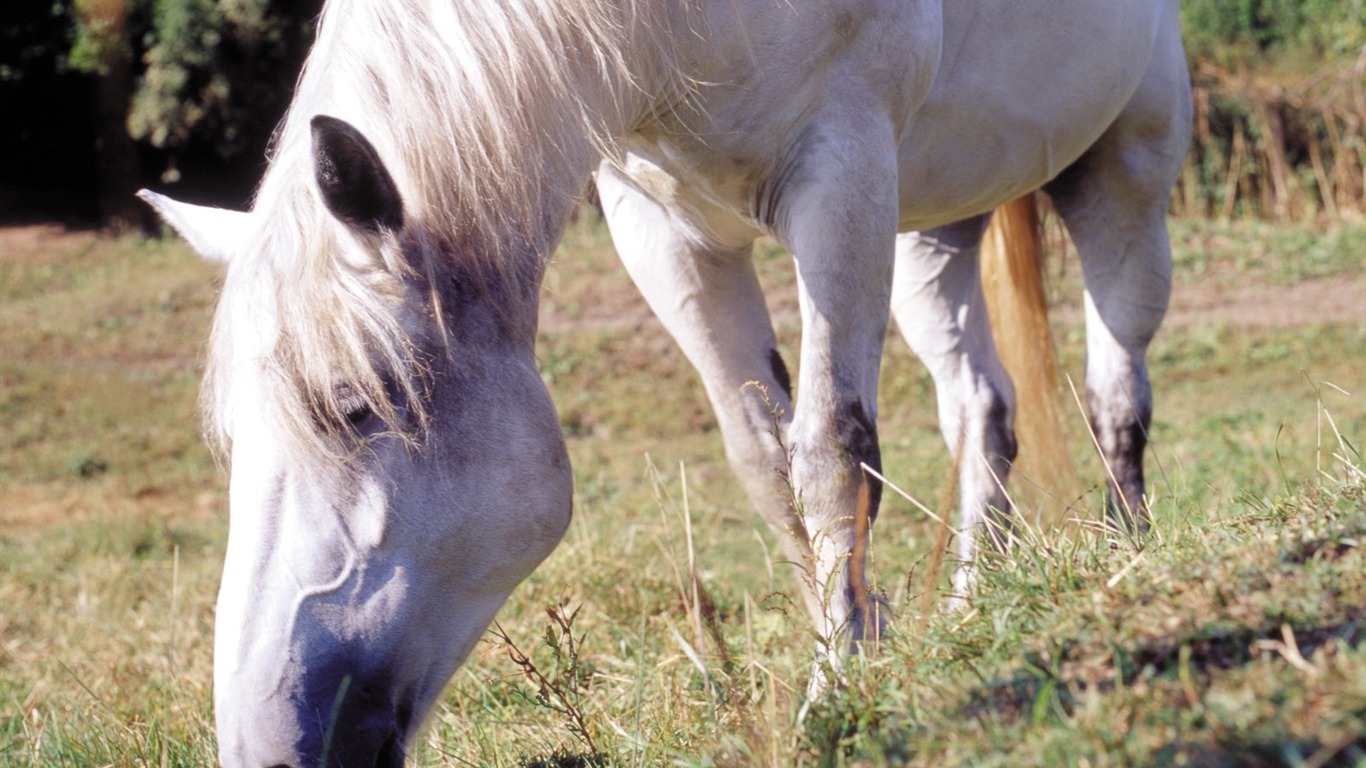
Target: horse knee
{"points": [[827, 460], [838, 442]]}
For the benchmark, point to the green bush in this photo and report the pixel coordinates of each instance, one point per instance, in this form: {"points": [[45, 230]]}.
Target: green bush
{"points": [[1278, 108], [1249, 33], [212, 74]]}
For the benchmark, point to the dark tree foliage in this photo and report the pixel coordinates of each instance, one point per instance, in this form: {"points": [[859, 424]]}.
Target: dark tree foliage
{"points": [[47, 139], [218, 76], [198, 85], [99, 96]]}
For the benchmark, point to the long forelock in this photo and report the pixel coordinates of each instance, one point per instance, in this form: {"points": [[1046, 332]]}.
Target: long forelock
{"points": [[341, 331]]}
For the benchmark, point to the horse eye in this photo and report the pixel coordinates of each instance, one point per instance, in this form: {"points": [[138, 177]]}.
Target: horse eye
{"points": [[352, 406], [355, 416]]}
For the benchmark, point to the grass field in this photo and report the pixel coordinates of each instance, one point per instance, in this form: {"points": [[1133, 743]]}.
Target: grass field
{"points": [[1234, 637]]}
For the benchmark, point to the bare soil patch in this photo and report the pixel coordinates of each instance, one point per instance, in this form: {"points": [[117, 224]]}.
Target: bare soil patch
{"points": [[30, 509], [1317, 301], [42, 243]]}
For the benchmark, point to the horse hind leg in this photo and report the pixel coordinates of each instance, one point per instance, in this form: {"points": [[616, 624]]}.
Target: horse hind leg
{"points": [[1113, 202], [939, 308], [1127, 269]]}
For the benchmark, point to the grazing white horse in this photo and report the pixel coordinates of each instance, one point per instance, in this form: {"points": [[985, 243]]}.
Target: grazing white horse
{"points": [[397, 465]]}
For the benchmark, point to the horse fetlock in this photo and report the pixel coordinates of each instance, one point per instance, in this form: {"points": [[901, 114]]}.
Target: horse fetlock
{"points": [[868, 621], [999, 443], [1123, 438]]}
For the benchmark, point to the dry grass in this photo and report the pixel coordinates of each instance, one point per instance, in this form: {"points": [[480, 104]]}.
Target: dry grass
{"points": [[1233, 638]]}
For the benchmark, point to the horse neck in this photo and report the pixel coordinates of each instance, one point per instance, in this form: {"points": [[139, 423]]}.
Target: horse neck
{"points": [[620, 85], [489, 127]]}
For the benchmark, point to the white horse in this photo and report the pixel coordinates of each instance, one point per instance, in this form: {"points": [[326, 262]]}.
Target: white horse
{"points": [[397, 466]]}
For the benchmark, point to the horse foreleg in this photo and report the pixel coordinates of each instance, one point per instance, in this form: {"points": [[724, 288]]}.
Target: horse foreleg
{"points": [[838, 218], [709, 299], [938, 305]]}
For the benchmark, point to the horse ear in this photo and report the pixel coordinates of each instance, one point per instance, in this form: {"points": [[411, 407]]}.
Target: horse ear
{"points": [[356, 186], [214, 233]]}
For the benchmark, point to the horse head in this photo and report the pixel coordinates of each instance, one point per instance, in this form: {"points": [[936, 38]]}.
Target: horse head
{"points": [[396, 463]]}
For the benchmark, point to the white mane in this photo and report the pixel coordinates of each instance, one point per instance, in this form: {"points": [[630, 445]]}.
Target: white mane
{"points": [[489, 115]]}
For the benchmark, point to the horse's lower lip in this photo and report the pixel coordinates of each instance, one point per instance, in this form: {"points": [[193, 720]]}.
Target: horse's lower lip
{"points": [[390, 753], [365, 747]]}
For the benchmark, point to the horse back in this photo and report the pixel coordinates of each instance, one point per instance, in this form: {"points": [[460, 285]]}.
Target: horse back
{"points": [[1023, 90]]}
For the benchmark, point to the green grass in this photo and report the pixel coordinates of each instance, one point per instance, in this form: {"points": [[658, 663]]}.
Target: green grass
{"points": [[100, 364], [1252, 250], [1233, 638]]}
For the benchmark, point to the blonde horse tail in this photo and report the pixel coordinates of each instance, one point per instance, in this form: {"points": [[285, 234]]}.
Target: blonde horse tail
{"points": [[1013, 282]]}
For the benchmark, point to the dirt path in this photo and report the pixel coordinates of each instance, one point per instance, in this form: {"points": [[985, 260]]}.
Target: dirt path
{"points": [[1337, 299]]}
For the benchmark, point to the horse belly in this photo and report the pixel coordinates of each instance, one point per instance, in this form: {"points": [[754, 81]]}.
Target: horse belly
{"points": [[1023, 90]]}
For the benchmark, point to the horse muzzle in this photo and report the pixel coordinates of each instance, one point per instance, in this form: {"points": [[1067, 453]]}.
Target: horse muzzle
{"points": [[347, 722]]}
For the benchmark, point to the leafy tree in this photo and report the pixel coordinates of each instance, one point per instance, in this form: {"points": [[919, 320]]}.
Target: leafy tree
{"points": [[1248, 32], [218, 76], [103, 93]]}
